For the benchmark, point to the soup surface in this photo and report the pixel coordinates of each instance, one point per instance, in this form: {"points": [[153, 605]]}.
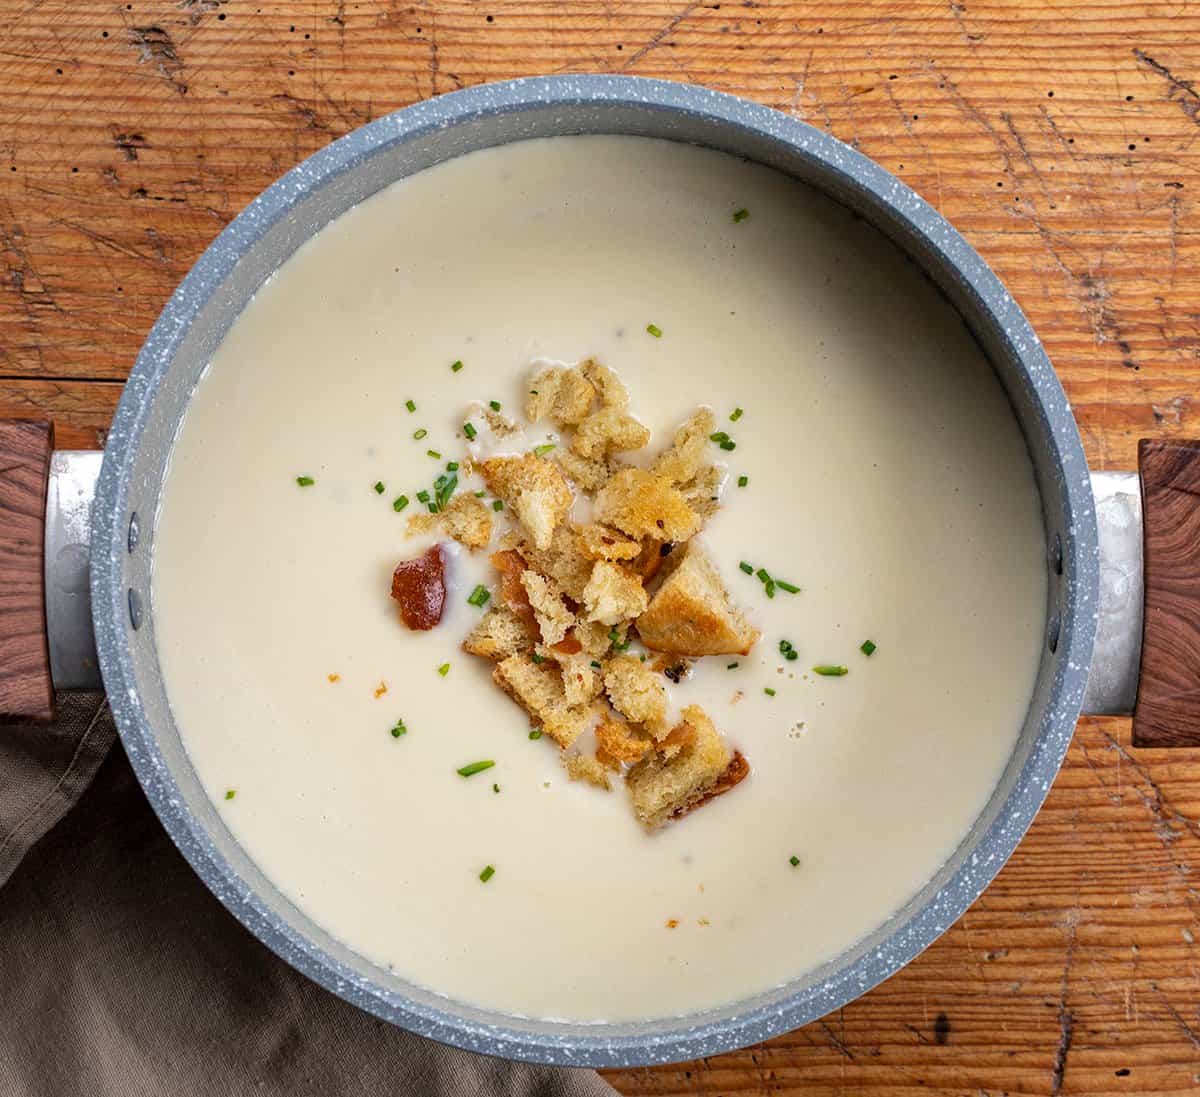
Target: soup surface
{"points": [[886, 477]]}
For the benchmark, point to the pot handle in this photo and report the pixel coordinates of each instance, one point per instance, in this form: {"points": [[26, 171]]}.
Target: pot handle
{"points": [[26, 692], [1167, 713]]}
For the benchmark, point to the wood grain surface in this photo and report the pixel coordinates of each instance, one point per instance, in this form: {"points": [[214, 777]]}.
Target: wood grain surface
{"points": [[1061, 136], [1167, 713], [26, 692]]}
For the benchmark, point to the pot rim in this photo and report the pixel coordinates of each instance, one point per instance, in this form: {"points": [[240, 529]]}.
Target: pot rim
{"points": [[714, 1031]]}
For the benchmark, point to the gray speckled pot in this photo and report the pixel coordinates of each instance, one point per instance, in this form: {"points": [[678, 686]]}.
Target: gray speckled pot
{"points": [[318, 190]]}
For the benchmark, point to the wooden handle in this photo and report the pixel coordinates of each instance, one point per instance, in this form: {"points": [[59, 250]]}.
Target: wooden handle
{"points": [[1167, 713], [26, 692]]}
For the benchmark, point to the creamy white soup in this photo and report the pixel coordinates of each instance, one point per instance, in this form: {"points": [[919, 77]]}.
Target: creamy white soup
{"points": [[878, 467]]}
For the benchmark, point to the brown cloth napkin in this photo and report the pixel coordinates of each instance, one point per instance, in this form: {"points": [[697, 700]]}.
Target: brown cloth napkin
{"points": [[122, 976]]}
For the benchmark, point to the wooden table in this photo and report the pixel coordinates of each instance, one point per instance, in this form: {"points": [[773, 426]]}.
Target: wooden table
{"points": [[1061, 136]]}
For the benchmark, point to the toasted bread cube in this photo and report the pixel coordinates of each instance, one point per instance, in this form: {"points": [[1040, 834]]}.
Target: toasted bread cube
{"points": [[613, 594], [609, 387], [563, 395], [602, 543], [553, 617], [588, 474], [564, 561], [643, 504], [538, 689], [636, 692], [618, 744], [500, 425], [703, 492], [661, 788], [608, 431], [583, 767], [593, 639], [535, 489], [582, 682], [499, 634], [464, 518], [683, 459], [692, 614]]}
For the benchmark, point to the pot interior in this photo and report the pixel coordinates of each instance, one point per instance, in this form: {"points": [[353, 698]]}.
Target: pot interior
{"points": [[354, 168]]}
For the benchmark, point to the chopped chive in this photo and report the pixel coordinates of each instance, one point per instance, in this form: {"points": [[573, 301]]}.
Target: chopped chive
{"points": [[791, 655], [494, 405], [433, 508], [452, 466], [422, 497], [764, 575], [830, 670], [399, 503], [867, 647], [443, 488], [399, 729], [785, 646], [419, 434], [595, 665], [444, 669], [769, 691], [497, 504], [791, 588], [535, 733], [456, 365], [743, 481], [378, 487], [541, 451], [305, 481], [434, 454], [538, 659], [729, 445], [654, 330], [410, 405], [474, 768], [793, 860], [747, 568], [479, 596], [495, 788], [740, 215], [733, 666], [469, 431], [735, 415], [488, 872], [480, 494], [770, 588], [718, 436], [230, 793]]}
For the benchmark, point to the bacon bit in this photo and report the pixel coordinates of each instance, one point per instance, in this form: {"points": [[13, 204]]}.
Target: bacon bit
{"points": [[510, 563], [419, 585], [380, 690], [569, 644], [335, 677], [672, 923]]}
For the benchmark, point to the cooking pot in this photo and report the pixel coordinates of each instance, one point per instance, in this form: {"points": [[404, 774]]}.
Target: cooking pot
{"points": [[1096, 589]]}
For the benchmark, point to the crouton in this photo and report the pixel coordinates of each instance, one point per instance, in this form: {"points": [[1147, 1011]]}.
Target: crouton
{"points": [[703, 492], [608, 431], [535, 489], [511, 566], [636, 692], [593, 638], [500, 425], [464, 518], [583, 767], [609, 387], [553, 617], [691, 613], [563, 561], [650, 560], [499, 634], [613, 594], [682, 460], [563, 395], [581, 681], [588, 474], [538, 689], [643, 504], [618, 743], [602, 543], [662, 788]]}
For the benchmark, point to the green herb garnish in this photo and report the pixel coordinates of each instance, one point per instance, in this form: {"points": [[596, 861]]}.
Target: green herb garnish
{"points": [[791, 588], [379, 487], [410, 405], [595, 665], [305, 481], [867, 647], [718, 437], [474, 768], [443, 488], [444, 669], [793, 860], [535, 733], [541, 451], [456, 365], [747, 568], [494, 405], [399, 503], [399, 729], [770, 588], [419, 434], [469, 431], [740, 215], [422, 497], [769, 691], [735, 415], [488, 872], [538, 659], [230, 793], [452, 466], [743, 481], [764, 575], [654, 330], [434, 454], [497, 504], [830, 670], [495, 788], [479, 596]]}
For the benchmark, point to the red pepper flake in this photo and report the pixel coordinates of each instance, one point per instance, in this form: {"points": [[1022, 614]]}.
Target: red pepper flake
{"points": [[419, 585]]}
